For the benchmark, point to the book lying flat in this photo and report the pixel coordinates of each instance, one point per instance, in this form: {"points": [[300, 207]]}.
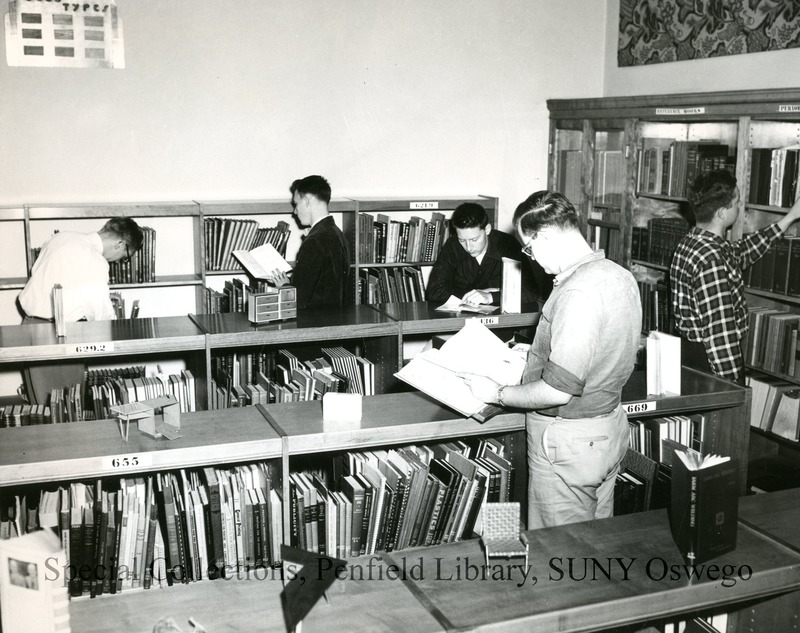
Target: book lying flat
{"points": [[454, 304], [261, 261], [473, 349]]}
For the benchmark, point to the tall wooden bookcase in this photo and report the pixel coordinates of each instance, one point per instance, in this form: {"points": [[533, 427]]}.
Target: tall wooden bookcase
{"points": [[600, 147]]}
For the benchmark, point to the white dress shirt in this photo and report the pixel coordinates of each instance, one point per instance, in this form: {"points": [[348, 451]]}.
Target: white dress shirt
{"points": [[74, 260]]}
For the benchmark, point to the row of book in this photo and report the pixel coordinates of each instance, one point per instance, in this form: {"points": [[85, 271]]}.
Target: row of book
{"points": [[247, 378], [25, 415], [775, 406], [222, 236], [656, 242], [391, 285], [383, 240], [779, 269], [668, 167], [657, 438], [398, 498], [656, 306], [140, 267], [203, 524], [773, 176], [772, 340]]}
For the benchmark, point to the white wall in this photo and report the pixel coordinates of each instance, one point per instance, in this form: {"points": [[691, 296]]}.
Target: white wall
{"points": [[773, 69], [221, 101]]}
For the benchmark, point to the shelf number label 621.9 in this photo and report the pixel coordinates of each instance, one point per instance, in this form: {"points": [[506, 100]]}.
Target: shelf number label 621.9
{"points": [[126, 462], [94, 348], [639, 407]]}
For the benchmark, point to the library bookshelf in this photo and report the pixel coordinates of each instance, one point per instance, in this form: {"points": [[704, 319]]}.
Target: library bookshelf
{"points": [[625, 159]]}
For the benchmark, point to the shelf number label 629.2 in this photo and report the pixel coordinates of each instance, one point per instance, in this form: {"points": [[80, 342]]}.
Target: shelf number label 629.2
{"points": [[125, 462], [94, 348], [639, 407]]}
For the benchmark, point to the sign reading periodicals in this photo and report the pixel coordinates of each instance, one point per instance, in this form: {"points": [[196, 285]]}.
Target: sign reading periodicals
{"points": [[46, 33]]}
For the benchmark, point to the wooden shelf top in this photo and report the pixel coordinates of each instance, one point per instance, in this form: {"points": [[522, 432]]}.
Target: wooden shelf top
{"points": [[233, 329], [77, 450], [38, 341], [400, 418], [775, 513], [421, 317]]}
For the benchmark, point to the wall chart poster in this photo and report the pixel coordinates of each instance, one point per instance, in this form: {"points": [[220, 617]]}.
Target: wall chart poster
{"points": [[46, 33], [656, 31]]}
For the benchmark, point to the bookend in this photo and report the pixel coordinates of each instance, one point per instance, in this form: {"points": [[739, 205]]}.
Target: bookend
{"points": [[145, 412], [501, 535]]}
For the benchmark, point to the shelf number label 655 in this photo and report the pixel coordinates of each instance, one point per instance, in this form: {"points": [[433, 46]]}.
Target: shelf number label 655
{"points": [[639, 407], [94, 348], [124, 462]]}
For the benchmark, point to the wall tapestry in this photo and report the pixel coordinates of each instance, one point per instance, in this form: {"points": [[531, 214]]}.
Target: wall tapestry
{"points": [[657, 31], [64, 34]]}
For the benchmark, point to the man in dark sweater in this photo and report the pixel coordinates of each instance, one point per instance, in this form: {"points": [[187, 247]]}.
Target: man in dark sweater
{"points": [[470, 264], [323, 261]]}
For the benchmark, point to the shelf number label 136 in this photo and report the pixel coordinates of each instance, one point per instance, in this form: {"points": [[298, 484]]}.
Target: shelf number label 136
{"points": [[126, 462], [94, 348], [639, 407]]}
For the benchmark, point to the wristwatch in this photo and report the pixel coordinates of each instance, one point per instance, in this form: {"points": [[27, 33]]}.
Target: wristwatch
{"points": [[499, 396]]}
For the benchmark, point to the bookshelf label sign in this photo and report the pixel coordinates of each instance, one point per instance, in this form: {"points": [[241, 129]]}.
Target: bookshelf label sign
{"points": [[126, 462], [488, 320], [423, 205], [681, 111], [94, 348], [789, 108], [639, 407]]}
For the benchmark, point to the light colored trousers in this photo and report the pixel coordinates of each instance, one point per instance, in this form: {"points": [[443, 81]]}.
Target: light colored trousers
{"points": [[572, 466]]}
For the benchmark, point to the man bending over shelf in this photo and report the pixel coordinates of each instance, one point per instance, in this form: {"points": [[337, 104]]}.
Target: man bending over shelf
{"points": [[323, 261], [79, 262], [706, 276], [470, 264], [582, 355]]}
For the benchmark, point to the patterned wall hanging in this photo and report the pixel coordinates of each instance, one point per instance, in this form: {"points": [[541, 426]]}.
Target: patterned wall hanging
{"points": [[657, 31], [64, 34]]}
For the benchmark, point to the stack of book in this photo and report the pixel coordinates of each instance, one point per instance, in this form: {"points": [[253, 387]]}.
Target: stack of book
{"points": [[24, 415], [773, 176], [779, 268], [390, 285], [225, 235], [386, 241], [141, 267]]}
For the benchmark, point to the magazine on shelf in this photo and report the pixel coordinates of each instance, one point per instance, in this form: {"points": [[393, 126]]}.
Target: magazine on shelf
{"points": [[473, 349]]}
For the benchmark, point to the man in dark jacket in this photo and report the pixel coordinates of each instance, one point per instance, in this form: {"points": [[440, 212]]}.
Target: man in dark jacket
{"points": [[323, 261], [470, 264]]}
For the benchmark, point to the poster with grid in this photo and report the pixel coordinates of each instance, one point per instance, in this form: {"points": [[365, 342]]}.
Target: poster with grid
{"points": [[46, 33]]}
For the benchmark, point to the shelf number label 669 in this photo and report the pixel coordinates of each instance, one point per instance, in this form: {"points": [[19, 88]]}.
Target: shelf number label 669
{"points": [[124, 462], [94, 348], [639, 407]]}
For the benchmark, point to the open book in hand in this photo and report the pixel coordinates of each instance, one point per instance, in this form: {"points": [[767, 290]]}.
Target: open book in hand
{"points": [[454, 304], [473, 349], [262, 261]]}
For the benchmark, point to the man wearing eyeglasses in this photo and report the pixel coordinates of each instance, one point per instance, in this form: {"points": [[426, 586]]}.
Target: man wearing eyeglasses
{"points": [[582, 355], [470, 263], [79, 263]]}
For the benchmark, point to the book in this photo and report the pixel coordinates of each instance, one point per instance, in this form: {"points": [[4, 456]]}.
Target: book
{"points": [[454, 304], [704, 505], [262, 261], [663, 364], [473, 349]]}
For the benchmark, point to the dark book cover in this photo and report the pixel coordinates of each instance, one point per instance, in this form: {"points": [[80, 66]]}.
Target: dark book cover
{"points": [[216, 545], [354, 491], [704, 509]]}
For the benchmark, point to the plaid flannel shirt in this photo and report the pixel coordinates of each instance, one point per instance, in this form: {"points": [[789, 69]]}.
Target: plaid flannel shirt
{"points": [[708, 293]]}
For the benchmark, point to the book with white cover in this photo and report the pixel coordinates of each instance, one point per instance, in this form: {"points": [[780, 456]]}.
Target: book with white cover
{"points": [[473, 349], [262, 261], [663, 364]]}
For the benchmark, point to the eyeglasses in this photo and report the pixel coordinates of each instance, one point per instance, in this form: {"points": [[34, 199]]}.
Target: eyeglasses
{"points": [[527, 248]]}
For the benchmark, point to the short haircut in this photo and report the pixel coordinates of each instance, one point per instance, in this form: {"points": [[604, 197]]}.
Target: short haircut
{"points": [[469, 215], [710, 192], [317, 186], [543, 209], [126, 230]]}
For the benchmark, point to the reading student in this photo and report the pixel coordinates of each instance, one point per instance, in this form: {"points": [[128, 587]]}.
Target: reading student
{"points": [[323, 261], [79, 262], [470, 263], [581, 356], [706, 275]]}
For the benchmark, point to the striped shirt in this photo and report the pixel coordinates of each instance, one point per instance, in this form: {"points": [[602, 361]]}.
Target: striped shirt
{"points": [[708, 293]]}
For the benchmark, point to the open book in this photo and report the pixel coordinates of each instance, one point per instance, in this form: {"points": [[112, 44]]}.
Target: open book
{"points": [[454, 304], [261, 261], [474, 349]]}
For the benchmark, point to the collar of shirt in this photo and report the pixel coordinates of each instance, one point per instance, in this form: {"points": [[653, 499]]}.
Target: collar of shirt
{"points": [[591, 257]]}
